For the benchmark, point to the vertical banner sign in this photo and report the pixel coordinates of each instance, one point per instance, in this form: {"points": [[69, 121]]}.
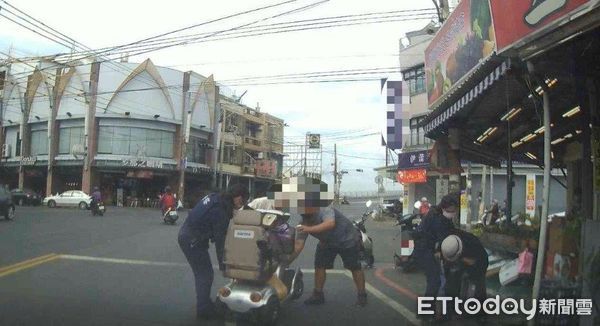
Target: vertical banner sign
{"points": [[406, 208], [530, 195], [464, 207], [397, 120]]}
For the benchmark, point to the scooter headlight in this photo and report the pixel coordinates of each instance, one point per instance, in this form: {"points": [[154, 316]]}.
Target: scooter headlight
{"points": [[224, 292], [255, 297]]}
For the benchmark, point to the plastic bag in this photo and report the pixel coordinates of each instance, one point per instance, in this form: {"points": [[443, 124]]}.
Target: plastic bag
{"points": [[525, 262]]}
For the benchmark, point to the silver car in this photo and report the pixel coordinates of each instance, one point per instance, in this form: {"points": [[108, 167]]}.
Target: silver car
{"points": [[71, 198]]}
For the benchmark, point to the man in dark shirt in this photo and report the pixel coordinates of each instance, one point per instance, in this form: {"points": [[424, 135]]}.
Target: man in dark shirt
{"points": [[209, 220], [464, 253], [435, 227]]}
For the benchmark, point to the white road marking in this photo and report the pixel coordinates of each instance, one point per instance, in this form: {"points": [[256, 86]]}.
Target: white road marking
{"points": [[121, 261], [409, 315]]}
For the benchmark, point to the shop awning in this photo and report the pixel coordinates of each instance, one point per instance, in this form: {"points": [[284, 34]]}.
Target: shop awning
{"points": [[449, 109]]}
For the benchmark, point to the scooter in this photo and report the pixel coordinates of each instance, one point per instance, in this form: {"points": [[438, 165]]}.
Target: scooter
{"points": [[97, 208], [366, 243], [257, 253], [170, 216], [409, 232]]}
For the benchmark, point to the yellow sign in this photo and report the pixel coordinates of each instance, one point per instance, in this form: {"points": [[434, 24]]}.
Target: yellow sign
{"points": [[530, 195]]}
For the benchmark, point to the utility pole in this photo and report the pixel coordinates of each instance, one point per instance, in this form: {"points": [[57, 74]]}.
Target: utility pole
{"points": [[305, 151], [185, 134], [216, 135], [336, 190]]}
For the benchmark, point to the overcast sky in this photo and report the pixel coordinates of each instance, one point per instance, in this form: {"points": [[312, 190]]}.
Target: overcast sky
{"points": [[348, 110]]}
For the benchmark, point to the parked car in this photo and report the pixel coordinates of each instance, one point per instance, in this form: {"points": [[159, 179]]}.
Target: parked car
{"points": [[71, 198], [7, 207], [26, 197]]}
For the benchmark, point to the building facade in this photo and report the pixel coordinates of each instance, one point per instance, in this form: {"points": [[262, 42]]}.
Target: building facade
{"points": [[130, 129]]}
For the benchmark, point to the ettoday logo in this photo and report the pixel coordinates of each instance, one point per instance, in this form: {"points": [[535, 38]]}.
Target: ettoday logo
{"points": [[508, 306]]}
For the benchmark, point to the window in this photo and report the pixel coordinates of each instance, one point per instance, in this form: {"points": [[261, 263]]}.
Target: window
{"points": [[39, 143], [416, 80], [68, 137], [135, 141], [417, 135], [196, 150]]}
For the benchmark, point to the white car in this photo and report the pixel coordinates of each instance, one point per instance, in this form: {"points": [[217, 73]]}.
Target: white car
{"points": [[71, 198]]}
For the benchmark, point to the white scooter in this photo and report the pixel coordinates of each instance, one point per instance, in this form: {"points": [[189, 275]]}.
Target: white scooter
{"points": [[366, 253], [170, 216], [257, 250]]}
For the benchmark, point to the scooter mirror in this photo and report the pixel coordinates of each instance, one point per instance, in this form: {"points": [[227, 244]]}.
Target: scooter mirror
{"points": [[369, 203]]}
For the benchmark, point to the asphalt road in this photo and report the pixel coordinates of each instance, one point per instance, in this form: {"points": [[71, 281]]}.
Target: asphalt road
{"points": [[65, 267]]}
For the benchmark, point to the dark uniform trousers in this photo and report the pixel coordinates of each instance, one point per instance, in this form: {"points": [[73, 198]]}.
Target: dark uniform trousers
{"points": [[197, 255]]}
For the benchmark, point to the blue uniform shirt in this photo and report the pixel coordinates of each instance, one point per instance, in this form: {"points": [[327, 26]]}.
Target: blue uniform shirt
{"points": [[208, 220]]}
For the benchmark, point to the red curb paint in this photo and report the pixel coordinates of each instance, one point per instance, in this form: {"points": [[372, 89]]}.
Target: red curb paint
{"points": [[408, 293]]}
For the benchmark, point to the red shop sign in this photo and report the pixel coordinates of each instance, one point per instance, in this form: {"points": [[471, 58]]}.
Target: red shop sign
{"points": [[412, 176]]}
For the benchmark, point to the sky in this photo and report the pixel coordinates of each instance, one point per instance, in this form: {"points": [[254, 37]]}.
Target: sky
{"points": [[349, 114]]}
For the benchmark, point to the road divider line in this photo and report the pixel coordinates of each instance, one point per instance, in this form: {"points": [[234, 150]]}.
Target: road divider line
{"points": [[121, 261], [4, 271], [405, 312], [410, 294]]}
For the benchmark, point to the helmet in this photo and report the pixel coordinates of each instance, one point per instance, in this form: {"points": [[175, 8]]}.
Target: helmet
{"points": [[96, 188], [452, 247], [424, 199], [167, 189]]}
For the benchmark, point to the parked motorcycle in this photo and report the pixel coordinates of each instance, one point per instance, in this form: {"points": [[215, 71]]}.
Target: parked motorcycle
{"points": [[366, 243], [170, 216], [409, 232], [257, 256], [97, 208]]}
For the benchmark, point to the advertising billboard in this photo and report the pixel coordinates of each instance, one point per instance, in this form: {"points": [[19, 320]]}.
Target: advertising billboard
{"points": [[266, 168], [464, 40], [517, 19]]}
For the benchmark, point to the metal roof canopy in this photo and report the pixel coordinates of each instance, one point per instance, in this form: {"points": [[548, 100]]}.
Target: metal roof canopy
{"points": [[563, 63]]}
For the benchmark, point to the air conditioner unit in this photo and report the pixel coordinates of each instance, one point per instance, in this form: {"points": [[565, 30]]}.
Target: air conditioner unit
{"points": [[6, 151], [261, 155]]}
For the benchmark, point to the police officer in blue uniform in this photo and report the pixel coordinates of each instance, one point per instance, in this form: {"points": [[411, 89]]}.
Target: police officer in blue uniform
{"points": [[436, 226], [208, 221]]}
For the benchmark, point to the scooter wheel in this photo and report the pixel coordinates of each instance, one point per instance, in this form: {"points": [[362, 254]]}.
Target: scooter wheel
{"points": [[269, 314], [298, 289]]}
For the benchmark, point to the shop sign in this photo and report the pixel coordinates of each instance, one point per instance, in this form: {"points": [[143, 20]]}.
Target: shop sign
{"points": [[412, 176], [266, 168], [28, 160], [135, 163], [414, 160], [516, 19], [530, 195], [141, 174], [464, 40]]}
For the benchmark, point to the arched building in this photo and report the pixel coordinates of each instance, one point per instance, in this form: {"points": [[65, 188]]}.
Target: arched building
{"points": [[129, 128]]}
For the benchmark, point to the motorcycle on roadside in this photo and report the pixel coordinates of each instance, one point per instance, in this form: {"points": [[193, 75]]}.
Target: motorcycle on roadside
{"points": [[366, 253], [170, 216], [409, 233], [97, 208]]}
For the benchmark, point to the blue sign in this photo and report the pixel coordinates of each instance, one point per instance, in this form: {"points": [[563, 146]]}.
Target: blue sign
{"points": [[414, 160]]}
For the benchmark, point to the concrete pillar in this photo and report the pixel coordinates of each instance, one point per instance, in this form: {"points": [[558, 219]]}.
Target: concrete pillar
{"points": [[410, 193], [454, 146], [53, 131], [91, 126], [185, 124]]}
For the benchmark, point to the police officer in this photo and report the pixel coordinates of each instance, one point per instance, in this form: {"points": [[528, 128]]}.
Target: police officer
{"points": [[436, 226], [464, 253], [209, 220]]}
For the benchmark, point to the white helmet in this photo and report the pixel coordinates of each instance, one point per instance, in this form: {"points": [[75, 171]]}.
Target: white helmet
{"points": [[424, 199], [452, 247]]}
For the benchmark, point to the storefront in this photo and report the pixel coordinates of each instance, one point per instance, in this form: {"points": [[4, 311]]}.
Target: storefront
{"points": [[534, 100]]}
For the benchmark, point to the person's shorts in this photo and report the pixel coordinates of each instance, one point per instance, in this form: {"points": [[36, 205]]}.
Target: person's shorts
{"points": [[325, 256]]}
